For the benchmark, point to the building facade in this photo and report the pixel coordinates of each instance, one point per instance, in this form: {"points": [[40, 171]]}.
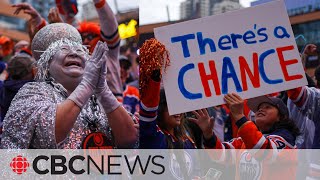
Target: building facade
{"points": [[41, 6], [225, 6], [11, 25], [191, 9], [296, 7], [186, 9], [206, 7], [14, 26]]}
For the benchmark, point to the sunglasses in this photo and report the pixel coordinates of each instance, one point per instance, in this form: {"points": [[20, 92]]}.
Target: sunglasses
{"points": [[90, 37]]}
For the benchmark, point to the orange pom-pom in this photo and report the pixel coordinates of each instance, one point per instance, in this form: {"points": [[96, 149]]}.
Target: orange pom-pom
{"points": [[153, 56]]}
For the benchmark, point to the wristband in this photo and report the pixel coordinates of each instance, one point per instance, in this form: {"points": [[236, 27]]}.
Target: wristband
{"points": [[241, 121], [100, 4]]}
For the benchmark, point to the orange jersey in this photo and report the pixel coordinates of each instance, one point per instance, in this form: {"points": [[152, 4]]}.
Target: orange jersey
{"points": [[254, 161]]}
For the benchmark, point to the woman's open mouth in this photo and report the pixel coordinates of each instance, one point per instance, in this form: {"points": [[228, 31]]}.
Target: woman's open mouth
{"points": [[73, 63], [260, 114]]}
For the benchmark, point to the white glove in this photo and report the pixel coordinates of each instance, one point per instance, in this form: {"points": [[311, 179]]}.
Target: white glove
{"points": [[90, 78], [104, 94]]}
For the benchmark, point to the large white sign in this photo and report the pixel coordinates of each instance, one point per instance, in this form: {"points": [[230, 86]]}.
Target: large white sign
{"points": [[250, 51]]}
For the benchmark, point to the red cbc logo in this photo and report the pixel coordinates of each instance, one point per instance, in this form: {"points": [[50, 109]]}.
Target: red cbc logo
{"points": [[19, 164]]}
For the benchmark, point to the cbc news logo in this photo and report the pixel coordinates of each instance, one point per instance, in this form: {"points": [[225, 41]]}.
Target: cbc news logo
{"points": [[95, 163], [19, 164]]}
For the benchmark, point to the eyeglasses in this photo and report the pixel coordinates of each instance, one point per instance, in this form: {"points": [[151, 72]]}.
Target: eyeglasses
{"points": [[78, 49], [90, 36]]}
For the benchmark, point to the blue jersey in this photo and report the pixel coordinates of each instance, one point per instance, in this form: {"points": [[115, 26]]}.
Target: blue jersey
{"points": [[131, 99], [151, 136]]}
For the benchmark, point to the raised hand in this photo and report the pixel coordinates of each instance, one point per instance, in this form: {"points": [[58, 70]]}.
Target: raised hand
{"points": [[235, 104], [95, 64], [204, 121], [27, 9], [54, 16], [102, 90], [102, 82]]}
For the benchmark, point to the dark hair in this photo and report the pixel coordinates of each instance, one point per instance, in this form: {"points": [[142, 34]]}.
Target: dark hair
{"points": [[180, 132], [20, 67], [125, 64], [285, 123]]}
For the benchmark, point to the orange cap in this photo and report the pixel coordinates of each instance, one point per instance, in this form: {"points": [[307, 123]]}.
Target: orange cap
{"points": [[6, 44]]}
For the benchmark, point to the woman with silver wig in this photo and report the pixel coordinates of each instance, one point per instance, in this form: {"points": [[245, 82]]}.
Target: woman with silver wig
{"points": [[70, 105]]}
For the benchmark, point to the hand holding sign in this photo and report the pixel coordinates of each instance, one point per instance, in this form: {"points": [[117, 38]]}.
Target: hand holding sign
{"points": [[235, 104]]}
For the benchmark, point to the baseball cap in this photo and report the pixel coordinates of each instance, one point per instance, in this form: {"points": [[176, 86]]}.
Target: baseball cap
{"points": [[254, 104], [20, 66]]}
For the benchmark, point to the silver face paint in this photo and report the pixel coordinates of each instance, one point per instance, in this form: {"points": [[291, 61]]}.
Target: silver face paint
{"points": [[67, 65], [64, 61]]}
